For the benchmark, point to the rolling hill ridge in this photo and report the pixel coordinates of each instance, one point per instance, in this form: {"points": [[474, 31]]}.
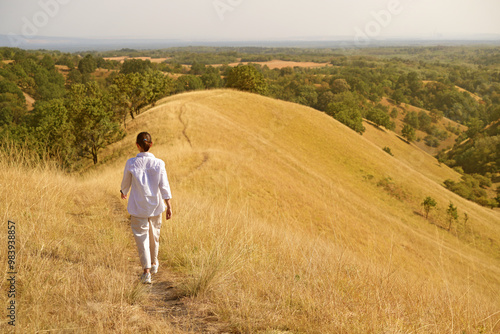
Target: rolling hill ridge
{"points": [[294, 168], [285, 220]]}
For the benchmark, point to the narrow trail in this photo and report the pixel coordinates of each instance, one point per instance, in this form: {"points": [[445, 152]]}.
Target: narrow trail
{"points": [[184, 124], [165, 298], [184, 313]]}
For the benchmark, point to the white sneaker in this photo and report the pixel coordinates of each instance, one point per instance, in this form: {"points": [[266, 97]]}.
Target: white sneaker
{"points": [[154, 268], [146, 278]]}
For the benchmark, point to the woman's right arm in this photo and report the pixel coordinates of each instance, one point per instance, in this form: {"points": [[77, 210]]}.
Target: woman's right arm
{"points": [[126, 182]]}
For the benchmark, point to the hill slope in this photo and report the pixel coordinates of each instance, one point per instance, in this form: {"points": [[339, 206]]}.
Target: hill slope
{"points": [[285, 219], [443, 124], [291, 168]]}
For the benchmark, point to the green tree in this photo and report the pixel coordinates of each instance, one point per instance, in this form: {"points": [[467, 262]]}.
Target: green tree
{"points": [[94, 123], [408, 132], [324, 99], [414, 82], [75, 76], [431, 141], [306, 95], [474, 127], [424, 121], [39, 81], [12, 103], [135, 66], [452, 213], [399, 97], [87, 65], [52, 128], [47, 62], [378, 115], [346, 109], [197, 68], [157, 86], [498, 195], [188, 83], [428, 204], [67, 60], [412, 119], [211, 80], [131, 92], [436, 115], [340, 86], [247, 78]]}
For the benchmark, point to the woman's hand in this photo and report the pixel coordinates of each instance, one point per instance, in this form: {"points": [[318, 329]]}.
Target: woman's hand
{"points": [[168, 213]]}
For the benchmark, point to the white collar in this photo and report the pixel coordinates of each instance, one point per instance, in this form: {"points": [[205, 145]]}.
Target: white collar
{"points": [[145, 154]]}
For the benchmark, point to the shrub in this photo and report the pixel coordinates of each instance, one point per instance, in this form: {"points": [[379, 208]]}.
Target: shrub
{"points": [[392, 188], [452, 213], [431, 141], [388, 150], [471, 188], [428, 204]]}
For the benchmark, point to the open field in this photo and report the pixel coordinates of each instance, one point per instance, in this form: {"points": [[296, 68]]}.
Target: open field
{"points": [[285, 221], [123, 58], [273, 64]]}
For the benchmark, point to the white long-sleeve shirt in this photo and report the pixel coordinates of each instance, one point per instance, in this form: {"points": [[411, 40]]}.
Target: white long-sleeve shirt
{"points": [[148, 178]]}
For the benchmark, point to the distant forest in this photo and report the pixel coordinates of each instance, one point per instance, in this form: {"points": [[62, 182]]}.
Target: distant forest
{"points": [[82, 101]]}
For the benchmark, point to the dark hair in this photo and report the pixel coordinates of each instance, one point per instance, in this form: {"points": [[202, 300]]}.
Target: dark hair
{"points": [[144, 141]]}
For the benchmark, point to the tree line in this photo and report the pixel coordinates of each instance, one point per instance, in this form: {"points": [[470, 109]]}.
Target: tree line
{"points": [[71, 119], [350, 90]]}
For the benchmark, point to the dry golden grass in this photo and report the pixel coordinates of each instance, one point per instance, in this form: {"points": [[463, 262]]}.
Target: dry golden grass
{"points": [[73, 253], [281, 224], [284, 221]]}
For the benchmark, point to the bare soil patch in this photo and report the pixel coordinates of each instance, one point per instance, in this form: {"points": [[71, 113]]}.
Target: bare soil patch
{"points": [[29, 101], [63, 69]]}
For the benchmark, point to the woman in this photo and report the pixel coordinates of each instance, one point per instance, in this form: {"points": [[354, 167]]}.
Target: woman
{"points": [[149, 197]]}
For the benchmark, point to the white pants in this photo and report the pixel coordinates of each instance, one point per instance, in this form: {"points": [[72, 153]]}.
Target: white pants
{"points": [[147, 238]]}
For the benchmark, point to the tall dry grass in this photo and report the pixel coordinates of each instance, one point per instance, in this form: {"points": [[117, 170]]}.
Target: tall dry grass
{"points": [[72, 253], [263, 277], [279, 226]]}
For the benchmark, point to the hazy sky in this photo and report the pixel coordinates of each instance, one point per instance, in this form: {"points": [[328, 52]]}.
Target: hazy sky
{"points": [[249, 19]]}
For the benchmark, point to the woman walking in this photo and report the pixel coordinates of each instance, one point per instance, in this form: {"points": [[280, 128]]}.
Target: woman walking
{"points": [[149, 197]]}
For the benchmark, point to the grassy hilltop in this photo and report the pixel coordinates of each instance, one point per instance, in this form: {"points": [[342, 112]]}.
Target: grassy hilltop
{"points": [[285, 220]]}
